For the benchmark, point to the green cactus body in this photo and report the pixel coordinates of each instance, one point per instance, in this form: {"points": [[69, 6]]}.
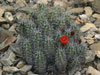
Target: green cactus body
{"points": [[49, 46], [37, 39], [40, 62], [26, 50], [40, 40], [61, 61]]}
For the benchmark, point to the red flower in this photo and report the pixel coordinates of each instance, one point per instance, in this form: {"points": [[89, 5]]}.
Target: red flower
{"points": [[62, 29], [64, 40], [72, 32]]}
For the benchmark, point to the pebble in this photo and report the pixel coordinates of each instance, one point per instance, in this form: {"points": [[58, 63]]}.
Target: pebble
{"points": [[10, 69], [90, 41], [2, 19], [1, 72], [61, 4], [25, 69], [8, 58], [30, 73], [20, 64], [97, 23], [42, 1], [98, 67], [96, 16], [2, 10], [88, 11], [77, 73], [20, 4], [87, 26], [97, 36], [76, 10], [9, 16], [96, 48], [92, 71], [83, 16], [90, 56], [10, 1]]}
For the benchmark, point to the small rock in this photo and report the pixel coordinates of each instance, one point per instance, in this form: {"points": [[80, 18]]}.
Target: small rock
{"points": [[98, 66], [9, 16], [2, 19], [88, 11], [10, 69], [10, 1], [1, 72], [42, 1], [88, 26], [83, 70], [61, 4], [90, 41], [8, 58], [96, 48], [25, 69], [2, 10], [77, 73], [96, 16], [20, 64], [90, 56], [20, 4], [97, 23], [83, 16], [76, 10], [6, 26], [30, 73], [21, 16], [92, 71], [97, 36]]}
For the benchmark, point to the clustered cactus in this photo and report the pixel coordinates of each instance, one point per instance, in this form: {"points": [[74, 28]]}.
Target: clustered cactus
{"points": [[40, 40]]}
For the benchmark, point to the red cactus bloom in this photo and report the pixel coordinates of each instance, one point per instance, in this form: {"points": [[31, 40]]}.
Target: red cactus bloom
{"points": [[72, 32], [62, 29], [64, 40]]}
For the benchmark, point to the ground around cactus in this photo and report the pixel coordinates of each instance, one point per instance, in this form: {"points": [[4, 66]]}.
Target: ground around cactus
{"points": [[85, 13]]}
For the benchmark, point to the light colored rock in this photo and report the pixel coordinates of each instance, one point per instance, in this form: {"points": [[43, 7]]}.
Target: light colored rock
{"points": [[97, 36], [20, 16], [20, 4], [96, 16], [61, 3], [83, 16], [92, 71], [77, 73], [90, 56], [2, 10], [30, 73], [42, 1], [88, 11], [76, 10], [6, 26], [96, 48], [98, 66], [90, 41], [25, 68], [10, 69], [1, 72], [88, 26], [8, 58], [2, 19], [97, 23], [20, 64], [9, 0], [9, 16]]}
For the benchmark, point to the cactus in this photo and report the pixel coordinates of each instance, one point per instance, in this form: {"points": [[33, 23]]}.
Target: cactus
{"points": [[40, 44], [40, 62], [61, 61]]}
